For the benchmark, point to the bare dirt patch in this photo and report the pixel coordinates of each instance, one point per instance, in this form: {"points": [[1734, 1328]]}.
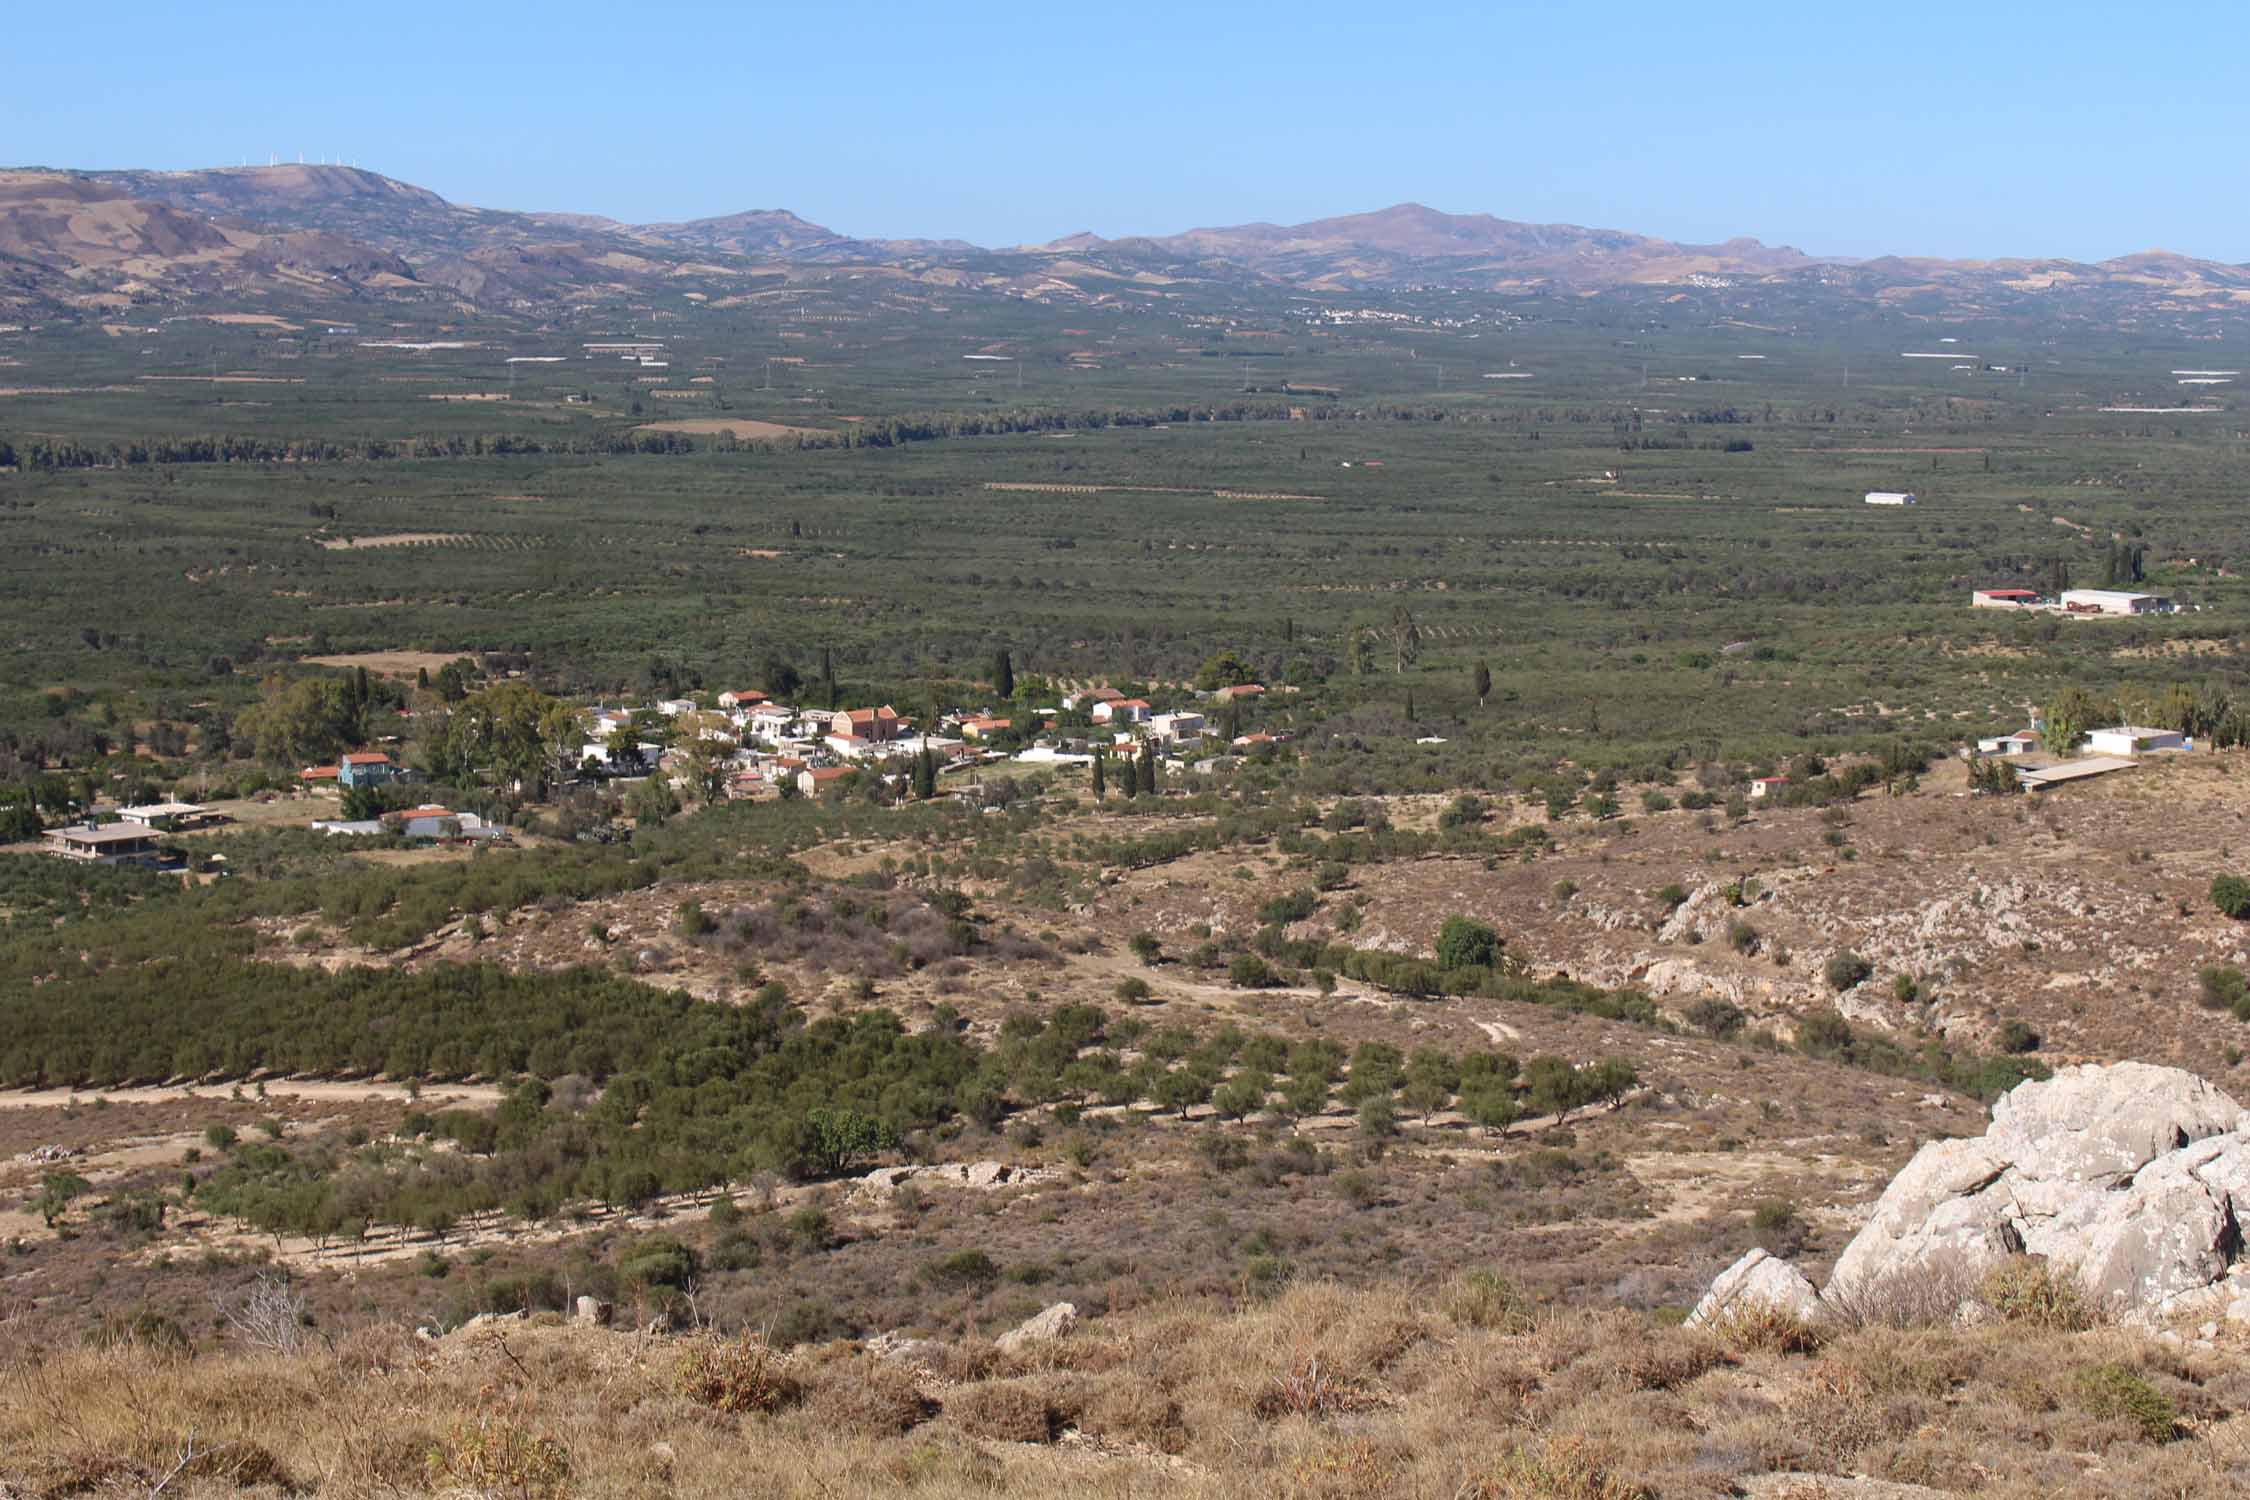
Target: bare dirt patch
{"points": [[742, 428], [389, 663]]}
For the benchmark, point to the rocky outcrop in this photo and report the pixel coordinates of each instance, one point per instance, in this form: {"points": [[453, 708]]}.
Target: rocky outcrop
{"points": [[1039, 1328], [1757, 1282], [2135, 1179]]}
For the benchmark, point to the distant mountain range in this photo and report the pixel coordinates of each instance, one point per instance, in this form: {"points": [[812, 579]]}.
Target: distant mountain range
{"points": [[94, 241]]}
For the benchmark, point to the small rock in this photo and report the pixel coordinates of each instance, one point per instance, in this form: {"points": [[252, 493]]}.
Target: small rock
{"points": [[1758, 1280], [2207, 1331], [2239, 1311], [1040, 1327], [591, 1310], [899, 1346]]}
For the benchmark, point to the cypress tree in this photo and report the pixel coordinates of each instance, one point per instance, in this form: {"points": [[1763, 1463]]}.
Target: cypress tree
{"points": [[1131, 785], [1484, 683], [828, 675], [1149, 781], [1003, 674], [1101, 777]]}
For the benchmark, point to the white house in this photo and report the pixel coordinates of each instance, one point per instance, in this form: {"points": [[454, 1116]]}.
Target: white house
{"points": [[1176, 729], [1889, 497], [770, 721], [2133, 739], [1767, 786], [1121, 711], [2113, 602], [672, 708], [2022, 742]]}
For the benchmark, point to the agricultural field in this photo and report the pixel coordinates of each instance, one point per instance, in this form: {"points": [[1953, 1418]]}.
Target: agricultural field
{"points": [[1475, 955]]}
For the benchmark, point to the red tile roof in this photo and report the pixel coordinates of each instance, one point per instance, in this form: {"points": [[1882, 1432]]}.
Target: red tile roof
{"points": [[367, 758]]}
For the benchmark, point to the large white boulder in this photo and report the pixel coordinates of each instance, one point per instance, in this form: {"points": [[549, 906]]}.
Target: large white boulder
{"points": [[2134, 1178]]}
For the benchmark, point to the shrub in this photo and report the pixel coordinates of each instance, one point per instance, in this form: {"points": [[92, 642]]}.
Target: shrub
{"points": [[736, 1375], [1293, 907], [1716, 1018], [1248, 971], [1134, 990], [489, 1454], [2015, 1037], [1005, 1411], [1146, 948], [2026, 1289], [1560, 1468], [1742, 937], [869, 1398], [2220, 986], [963, 1268], [1843, 970], [1465, 943], [1671, 898], [1779, 1227], [657, 1261], [2231, 895], [2114, 1391], [1490, 1300]]}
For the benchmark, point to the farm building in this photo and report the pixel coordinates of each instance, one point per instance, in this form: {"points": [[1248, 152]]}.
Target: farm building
{"points": [[2005, 598], [2072, 770], [2113, 602], [2133, 739], [1121, 711], [2022, 742], [1767, 786], [741, 698], [1889, 497], [984, 728]]}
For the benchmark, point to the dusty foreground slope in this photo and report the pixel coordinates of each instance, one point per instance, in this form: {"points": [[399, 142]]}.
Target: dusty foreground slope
{"points": [[1321, 1392]]}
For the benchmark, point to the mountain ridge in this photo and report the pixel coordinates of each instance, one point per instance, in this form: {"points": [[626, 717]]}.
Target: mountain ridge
{"points": [[73, 239]]}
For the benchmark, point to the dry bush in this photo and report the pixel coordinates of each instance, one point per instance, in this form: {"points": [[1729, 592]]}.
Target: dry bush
{"points": [[1562, 1468], [1927, 1293], [1006, 1411], [869, 1398], [736, 1375], [270, 1315], [1884, 1363], [1129, 1408], [1489, 1300], [492, 1453], [1764, 1328], [379, 1349], [1310, 1391], [2029, 1289]]}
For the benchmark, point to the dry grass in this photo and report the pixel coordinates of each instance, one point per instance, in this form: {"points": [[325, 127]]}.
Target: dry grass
{"points": [[1320, 1392]]}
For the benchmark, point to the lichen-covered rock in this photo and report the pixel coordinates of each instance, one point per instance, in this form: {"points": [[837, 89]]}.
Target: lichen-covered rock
{"points": [[1758, 1282], [2135, 1177]]}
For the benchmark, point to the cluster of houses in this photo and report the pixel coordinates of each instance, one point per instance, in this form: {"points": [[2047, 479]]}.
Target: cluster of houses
{"points": [[769, 744], [2081, 603], [2100, 752]]}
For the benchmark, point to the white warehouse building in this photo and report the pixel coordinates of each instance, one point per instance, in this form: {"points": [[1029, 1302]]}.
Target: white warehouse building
{"points": [[2113, 602], [1889, 497]]}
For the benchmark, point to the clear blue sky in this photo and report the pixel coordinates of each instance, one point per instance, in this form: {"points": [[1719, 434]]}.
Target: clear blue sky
{"points": [[1972, 128]]}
